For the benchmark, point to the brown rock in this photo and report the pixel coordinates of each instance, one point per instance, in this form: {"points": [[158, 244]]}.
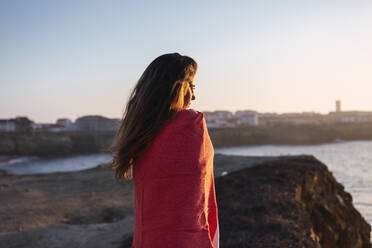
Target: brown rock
{"points": [[289, 202]]}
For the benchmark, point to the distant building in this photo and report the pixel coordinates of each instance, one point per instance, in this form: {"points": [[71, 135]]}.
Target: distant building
{"points": [[85, 123], [39, 126], [217, 115], [50, 127], [219, 118], [311, 118], [251, 120], [18, 124], [23, 124], [46, 127], [267, 119], [350, 116], [243, 113], [67, 123], [7, 125], [56, 128], [96, 123], [64, 122], [247, 117], [338, 106]]}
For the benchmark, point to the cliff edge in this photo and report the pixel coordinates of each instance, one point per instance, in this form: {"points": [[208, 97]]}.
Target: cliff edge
{"points": [[289, 202]]}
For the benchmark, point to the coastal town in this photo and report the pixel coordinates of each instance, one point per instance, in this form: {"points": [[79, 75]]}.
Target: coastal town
{"points": [[214, 119]]}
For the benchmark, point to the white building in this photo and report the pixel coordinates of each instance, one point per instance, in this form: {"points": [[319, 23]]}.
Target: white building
{"points": [[351, 116], [96, 123], [247, 117], [217, 115], [64, 122], [7, 125], [219, 119], [49, 127], [18, 124], [67, 123], [251, 120]]}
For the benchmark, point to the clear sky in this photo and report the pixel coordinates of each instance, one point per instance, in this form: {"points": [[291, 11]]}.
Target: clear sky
{"points": [[65, 59]]}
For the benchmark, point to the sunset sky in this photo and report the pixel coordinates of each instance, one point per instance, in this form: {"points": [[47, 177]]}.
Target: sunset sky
{"points": [[66, 59]]}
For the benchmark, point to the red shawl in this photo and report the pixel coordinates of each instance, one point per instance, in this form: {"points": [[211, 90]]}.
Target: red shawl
{"points": [[175, 199]]}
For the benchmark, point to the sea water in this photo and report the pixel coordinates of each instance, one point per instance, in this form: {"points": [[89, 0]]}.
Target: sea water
{"points": [[34, 165]]}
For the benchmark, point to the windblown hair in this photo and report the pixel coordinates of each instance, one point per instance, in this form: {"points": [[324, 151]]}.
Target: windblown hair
{"points": [[160, 93]]}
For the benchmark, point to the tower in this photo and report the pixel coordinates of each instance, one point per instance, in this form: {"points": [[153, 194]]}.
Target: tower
{"points": [[338, 106]]}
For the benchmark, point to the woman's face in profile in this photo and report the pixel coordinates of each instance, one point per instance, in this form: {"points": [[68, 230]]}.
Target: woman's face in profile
{"points": [[192, 83]]}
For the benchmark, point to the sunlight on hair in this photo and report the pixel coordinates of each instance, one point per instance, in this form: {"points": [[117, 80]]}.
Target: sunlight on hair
{"points": [[179, 89]]}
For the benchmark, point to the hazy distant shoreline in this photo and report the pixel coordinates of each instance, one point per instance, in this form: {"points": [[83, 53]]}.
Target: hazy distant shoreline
{"points": [[70, 143]]}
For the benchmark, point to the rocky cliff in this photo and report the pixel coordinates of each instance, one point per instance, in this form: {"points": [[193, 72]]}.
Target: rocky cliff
{"points": [[289, 202]]}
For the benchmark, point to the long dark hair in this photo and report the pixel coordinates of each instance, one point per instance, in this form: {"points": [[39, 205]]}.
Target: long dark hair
{"points": [[160, 93]]}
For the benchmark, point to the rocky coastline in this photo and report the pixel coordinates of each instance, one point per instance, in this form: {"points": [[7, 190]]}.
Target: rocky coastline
{"points": [[291, 201]]}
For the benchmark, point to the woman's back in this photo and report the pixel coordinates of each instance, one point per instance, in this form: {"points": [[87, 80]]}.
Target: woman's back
{"points": [[175, 203]]}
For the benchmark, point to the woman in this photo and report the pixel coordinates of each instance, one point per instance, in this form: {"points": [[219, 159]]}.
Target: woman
{"points": [[168, 150]]}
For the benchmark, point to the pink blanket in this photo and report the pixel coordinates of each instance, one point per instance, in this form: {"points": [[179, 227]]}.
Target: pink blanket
{"points": [[175, 199]]}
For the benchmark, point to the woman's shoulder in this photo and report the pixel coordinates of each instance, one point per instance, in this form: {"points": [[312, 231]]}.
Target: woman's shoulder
{"points": [[191, 113], [188, 119]]}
